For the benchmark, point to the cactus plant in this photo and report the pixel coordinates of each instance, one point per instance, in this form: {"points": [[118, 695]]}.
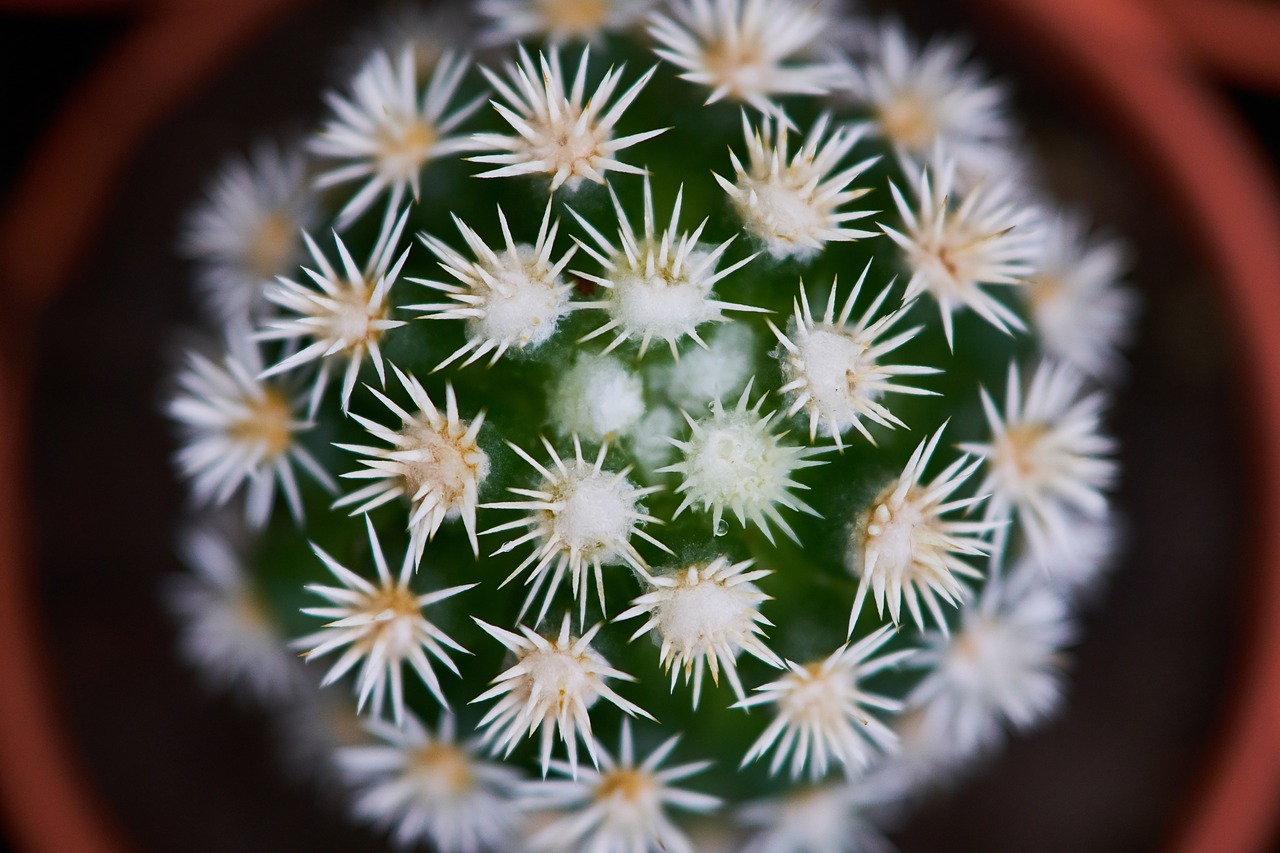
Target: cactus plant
{"points": [[714, 453]]}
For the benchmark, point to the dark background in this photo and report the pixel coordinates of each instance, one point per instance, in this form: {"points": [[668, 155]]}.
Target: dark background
{"points": [[182, 771]]}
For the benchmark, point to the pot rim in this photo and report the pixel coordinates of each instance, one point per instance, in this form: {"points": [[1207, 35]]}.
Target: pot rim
{"points": [[1136, 63]]}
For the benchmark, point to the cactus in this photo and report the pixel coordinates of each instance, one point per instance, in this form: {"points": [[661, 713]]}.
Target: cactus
{"points": [[673, 431]]}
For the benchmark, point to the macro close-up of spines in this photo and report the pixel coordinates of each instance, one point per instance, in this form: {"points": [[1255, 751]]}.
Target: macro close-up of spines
{"points": [[663, 425]]}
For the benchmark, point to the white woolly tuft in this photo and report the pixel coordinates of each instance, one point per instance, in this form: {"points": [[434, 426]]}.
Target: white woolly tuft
{"points": [[651, 443], [597, 399], [715, 373]]}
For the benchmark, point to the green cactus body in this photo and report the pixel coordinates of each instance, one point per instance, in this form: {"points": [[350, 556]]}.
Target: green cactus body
{"points": [[723, 420]]}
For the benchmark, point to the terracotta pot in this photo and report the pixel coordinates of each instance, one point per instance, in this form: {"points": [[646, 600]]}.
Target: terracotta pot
{"points": [[1145, 62], [44, 228]]}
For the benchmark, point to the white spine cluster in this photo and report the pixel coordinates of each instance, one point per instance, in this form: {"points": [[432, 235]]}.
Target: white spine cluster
{"points": [[620, 808], [928, 99], [240, 432], [821, 711], [431, 33], [559, 21], [747, 50], [226, 628], [1004, 665], [381, 627], [836, 373], [581, 516], [512, 300], [902, 548], [386, 133], [425, 786], [828, 818], [346, 318], [658, 287], [1083, 313], [735, 461], [556, 133], [704, 615], [955, 244], [434, 461], [1047, 459], [246, 232], [552, 686], [793, 204], [1092, 551]]}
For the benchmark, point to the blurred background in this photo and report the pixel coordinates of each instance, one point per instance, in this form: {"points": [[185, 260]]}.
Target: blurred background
{"points": [[180, 770]]}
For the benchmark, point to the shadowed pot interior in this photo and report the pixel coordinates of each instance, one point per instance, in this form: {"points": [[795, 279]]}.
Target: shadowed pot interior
{"points": [[180, 770]]}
